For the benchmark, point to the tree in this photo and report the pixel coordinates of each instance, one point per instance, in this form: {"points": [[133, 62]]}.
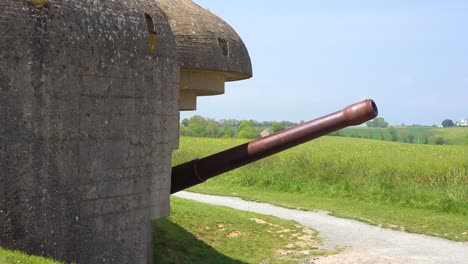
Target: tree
{"points": [[404, 135], [197, 126], [377, 122], [212, 128], [424, 138], [227, 132], [276, 127], [245, 123], [439, 141], [447, 123], [381, 134], [338, 133], [184, 131], [246, 129], [185, 122], [355, 134], [393, 133]]}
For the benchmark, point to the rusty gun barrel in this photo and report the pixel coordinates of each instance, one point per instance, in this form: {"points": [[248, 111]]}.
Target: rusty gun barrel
{"points": [[199, 170]]}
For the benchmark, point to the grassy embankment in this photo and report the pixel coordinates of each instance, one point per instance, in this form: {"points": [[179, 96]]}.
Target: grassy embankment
{"points": [[418, 188], [201, 233]]}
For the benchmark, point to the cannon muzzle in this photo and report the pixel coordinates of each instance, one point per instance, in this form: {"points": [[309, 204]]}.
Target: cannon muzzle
{"points": [[199, 170]]}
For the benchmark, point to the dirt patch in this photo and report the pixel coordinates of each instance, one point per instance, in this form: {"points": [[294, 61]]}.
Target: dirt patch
{"points": [[234, 234], [259, 221], [308, 231], [281, 252], [305, 237], [262, 222], [305, 242], [301, 244]]}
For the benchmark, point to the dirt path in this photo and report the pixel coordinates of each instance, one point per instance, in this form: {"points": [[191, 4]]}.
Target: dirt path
{"points": [[364, 243]]}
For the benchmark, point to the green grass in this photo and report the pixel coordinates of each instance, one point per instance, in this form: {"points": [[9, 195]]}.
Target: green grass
{"points": [[16, 257], [419, 188], [452, 136], [374, 133], [200, 233]]}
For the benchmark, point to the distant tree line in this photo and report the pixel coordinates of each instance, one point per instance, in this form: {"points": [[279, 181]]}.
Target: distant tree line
{"points": [[377, 122], [198, 126]]}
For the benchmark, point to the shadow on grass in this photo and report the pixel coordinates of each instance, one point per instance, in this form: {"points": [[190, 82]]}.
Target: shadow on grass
{"points": [[173, 244]]}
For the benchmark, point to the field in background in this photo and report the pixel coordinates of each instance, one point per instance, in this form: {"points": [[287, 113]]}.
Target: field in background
{"points": [[418, 188], [453, 135], [418, 134]]}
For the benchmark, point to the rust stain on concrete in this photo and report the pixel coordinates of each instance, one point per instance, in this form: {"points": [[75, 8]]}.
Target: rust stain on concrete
{"points": [[39, 3], [152, 43]]}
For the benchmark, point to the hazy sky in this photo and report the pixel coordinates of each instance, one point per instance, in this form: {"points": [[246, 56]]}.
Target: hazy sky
{"points": [[314, 57]]}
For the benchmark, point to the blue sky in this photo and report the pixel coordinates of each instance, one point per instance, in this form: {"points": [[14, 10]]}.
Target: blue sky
{"points": [[314, 57]]}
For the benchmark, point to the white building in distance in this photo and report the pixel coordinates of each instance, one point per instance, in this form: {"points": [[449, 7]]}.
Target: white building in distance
{"points": [[462, 122]]}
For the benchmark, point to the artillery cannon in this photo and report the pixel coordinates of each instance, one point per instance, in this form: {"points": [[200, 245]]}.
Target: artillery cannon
{"points": [[199, 170]]}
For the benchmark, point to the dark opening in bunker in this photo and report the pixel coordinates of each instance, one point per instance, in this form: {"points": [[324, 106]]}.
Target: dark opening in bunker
{"points": [[224, 46], [150, 24]]}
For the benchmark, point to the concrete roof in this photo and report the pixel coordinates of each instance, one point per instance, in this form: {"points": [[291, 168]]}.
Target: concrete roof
{"points": [[205, 42]]}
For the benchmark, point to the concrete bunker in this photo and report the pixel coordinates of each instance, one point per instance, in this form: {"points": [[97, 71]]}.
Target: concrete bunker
{"points": [[210, 51], [90, 93]]}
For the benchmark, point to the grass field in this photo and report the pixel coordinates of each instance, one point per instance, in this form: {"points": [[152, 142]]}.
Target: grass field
{"points": [[419, 188], [451, 136], [200, 233], [454, 135]]}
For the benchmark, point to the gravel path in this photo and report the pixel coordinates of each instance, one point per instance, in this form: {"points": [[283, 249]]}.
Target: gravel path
{"points": [[364, 243]]}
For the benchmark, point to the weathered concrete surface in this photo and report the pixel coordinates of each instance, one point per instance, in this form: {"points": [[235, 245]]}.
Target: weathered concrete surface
{"points": [[88, 120], [89, 106], [206, 42], [210, 51]]}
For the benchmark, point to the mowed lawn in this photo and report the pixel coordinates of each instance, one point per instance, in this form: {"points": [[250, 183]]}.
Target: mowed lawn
{"points": [[417, 188], [201, 233]]}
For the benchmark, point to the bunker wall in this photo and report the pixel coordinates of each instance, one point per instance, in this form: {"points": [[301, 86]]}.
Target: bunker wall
{"points": [[88, 120]]}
